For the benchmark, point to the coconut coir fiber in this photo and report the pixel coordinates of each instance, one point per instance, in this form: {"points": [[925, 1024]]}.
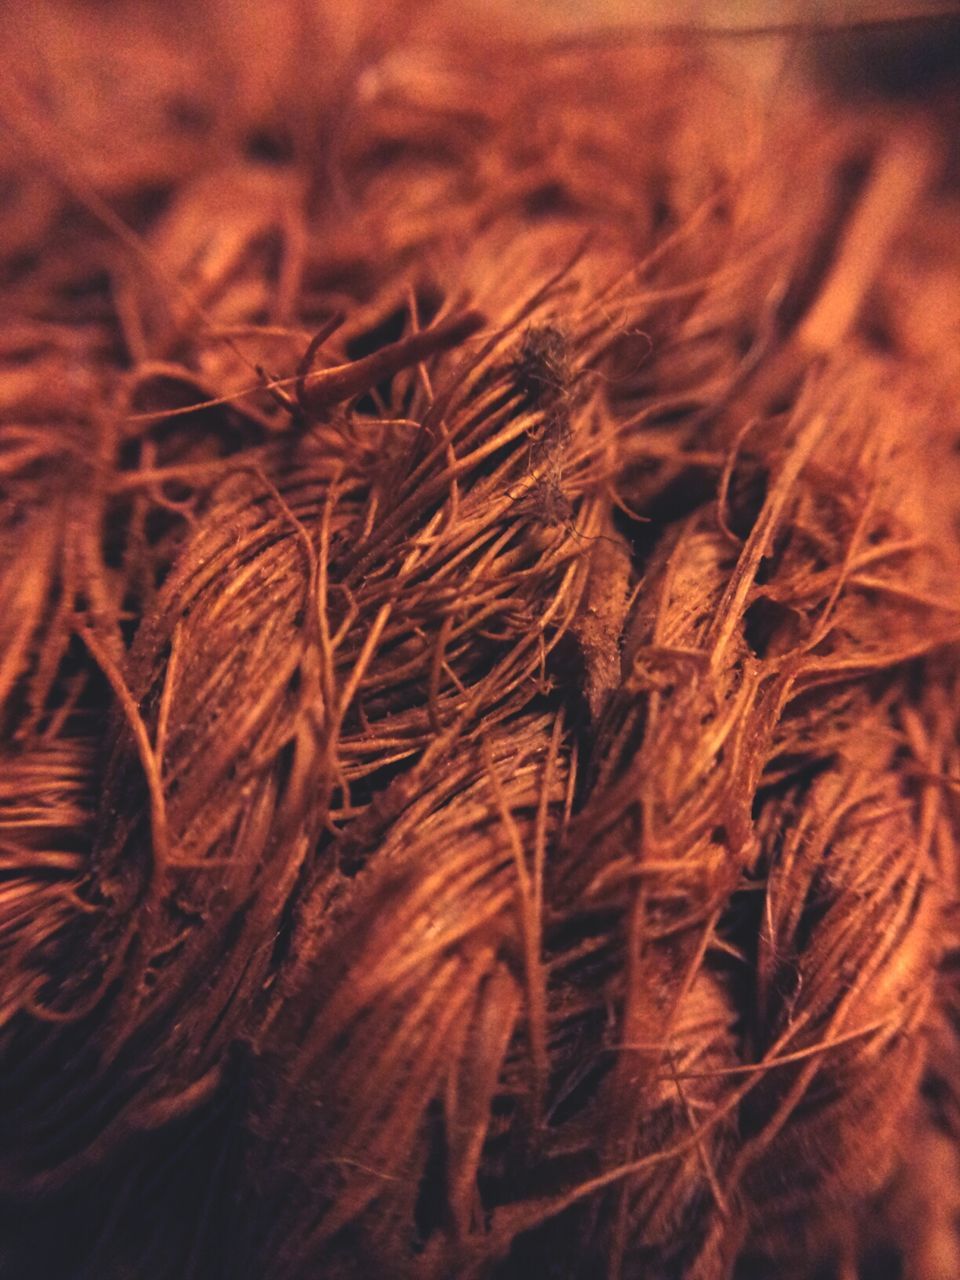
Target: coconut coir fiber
{"points": [[478, 657]]}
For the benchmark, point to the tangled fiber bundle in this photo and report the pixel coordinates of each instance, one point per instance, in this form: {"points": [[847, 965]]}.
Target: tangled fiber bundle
{"points": [[478, 634]]}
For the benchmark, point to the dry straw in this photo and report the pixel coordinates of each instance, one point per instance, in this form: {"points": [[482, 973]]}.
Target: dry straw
{"points": [[477, 659]]}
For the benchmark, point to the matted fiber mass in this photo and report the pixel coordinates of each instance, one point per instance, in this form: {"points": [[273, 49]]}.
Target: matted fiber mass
{"points": [[478, 657]]}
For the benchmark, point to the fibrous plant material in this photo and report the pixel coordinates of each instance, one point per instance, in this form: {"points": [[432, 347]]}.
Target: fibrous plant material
{"points": [[478, 637]]}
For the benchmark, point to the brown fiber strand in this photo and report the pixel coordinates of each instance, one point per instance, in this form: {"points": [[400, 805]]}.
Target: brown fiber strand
{"points": [[479, 774]]}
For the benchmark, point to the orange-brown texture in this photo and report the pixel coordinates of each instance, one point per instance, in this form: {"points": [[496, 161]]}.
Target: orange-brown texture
{"points": [[478, 636]]}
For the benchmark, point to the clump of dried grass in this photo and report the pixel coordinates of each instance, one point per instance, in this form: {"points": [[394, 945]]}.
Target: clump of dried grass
{"points": [[476, 664]]}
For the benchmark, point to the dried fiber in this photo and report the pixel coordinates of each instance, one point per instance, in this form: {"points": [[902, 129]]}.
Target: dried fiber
{"points": [[478, 656]]}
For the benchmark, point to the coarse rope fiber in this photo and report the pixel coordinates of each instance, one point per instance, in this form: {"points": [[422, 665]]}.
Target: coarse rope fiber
{"points": [[478, 656]]}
